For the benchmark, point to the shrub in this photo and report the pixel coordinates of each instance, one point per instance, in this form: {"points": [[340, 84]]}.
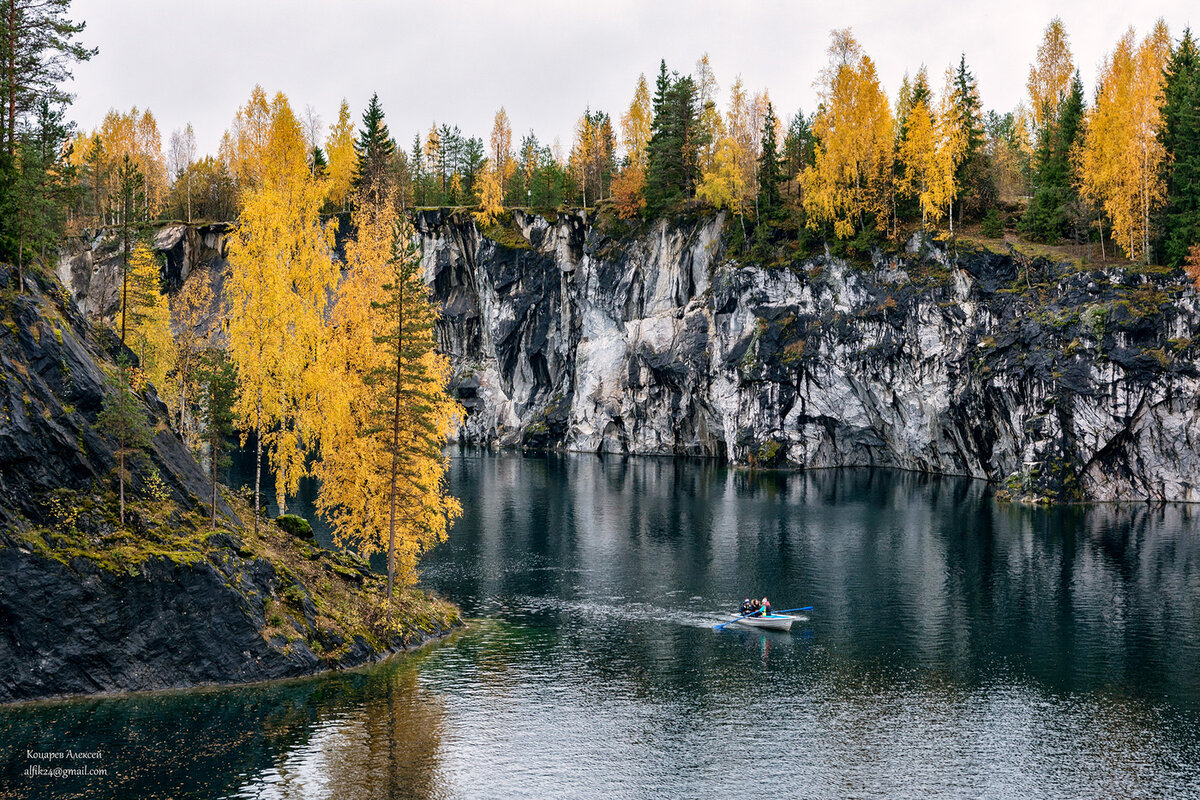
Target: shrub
{"points": [[993, 226], [296, 526]]}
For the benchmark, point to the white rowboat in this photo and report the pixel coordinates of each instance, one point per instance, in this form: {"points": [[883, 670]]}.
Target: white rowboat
{"points": [[774, 622]]}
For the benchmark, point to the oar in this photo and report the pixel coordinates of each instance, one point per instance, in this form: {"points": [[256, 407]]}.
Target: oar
{"points": [[806, 608], [723, 624]]}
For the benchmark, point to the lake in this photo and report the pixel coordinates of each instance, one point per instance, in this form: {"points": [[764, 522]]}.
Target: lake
{"points": [[958, 648]]}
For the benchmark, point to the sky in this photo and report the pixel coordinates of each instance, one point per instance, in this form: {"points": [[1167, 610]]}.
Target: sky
{"points": [[545, 61]]}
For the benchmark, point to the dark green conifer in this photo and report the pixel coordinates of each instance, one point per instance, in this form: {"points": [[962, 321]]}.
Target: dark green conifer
{"points": [[1049, 216], [1180, 136], [374, 148], [769, 204]]}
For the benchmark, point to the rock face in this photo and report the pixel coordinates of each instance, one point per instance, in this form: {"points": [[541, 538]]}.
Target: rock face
{"points": [[171, 625], [90, 265], [87, 605], [52, 363], [1058, 381]]}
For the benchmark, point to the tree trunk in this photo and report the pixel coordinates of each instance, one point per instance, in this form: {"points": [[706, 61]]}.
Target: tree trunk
{"points": [[121, 479], [21, 260], [124, 265], [395, 447], [257, 458], [11, 36], [182, 396], [212, 465]]}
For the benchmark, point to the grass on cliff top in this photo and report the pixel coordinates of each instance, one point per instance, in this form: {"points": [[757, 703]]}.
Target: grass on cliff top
{"points": [[322, 597]]}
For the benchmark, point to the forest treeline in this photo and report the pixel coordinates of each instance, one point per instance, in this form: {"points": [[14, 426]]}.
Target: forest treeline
{"points": [[1115, 164]]}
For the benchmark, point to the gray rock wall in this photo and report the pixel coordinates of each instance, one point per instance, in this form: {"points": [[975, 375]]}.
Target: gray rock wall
{"points": [[1056, 381]]}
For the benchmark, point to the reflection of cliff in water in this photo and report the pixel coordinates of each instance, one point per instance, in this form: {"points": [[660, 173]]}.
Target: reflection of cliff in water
{"points": [[367, 734], [906, 570]]}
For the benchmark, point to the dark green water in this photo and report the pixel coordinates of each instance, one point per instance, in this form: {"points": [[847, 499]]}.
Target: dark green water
{"points": [[958, 648]]}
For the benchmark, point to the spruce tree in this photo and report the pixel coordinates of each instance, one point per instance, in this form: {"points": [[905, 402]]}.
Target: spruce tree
{"points": [[770, 172], [663, 170], [798, 146], [374, 148], [973, 177], [317, 163], [1048, 217], [1181, 137]]}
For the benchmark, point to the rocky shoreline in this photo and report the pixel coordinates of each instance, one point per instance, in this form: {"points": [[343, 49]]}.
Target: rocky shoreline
{"points": [[165, 601]]}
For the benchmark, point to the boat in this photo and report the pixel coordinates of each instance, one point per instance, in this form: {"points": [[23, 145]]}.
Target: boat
{"points": [[773, 622]]}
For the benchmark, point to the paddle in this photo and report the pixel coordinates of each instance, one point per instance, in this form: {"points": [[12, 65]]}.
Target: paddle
{"points": [[806, 608], [743, 616]]}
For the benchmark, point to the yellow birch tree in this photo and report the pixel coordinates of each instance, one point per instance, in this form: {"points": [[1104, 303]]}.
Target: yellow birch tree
{"points": [[281, 276], [339, 152], [501, 147], [1122, 155], [630, 186], [849, 182], [917, 152], [382, 470], [149, 318], [1050, 76]]}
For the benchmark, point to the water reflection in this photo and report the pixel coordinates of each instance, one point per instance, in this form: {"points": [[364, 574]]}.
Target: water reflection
{"points": [[958, 648], [364, 734], [909, 570]]}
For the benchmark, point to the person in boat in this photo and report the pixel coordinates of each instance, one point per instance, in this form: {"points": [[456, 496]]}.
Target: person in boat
{"points": [[766, 607], [747, 607], [755, 608]]}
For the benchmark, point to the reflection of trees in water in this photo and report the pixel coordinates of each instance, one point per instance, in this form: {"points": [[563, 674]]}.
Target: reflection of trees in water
{"points": [[209, 743], [387, 746], [912, 571]]}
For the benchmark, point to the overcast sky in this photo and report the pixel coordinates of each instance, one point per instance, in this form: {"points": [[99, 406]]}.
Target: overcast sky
{"points": [[545, 60]]}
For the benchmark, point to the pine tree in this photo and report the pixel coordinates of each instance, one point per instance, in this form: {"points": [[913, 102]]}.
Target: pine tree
{"points": [[129, 178], [374, 148], [36, 48], [1180, 136], [39, 190], [123, 420]]}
